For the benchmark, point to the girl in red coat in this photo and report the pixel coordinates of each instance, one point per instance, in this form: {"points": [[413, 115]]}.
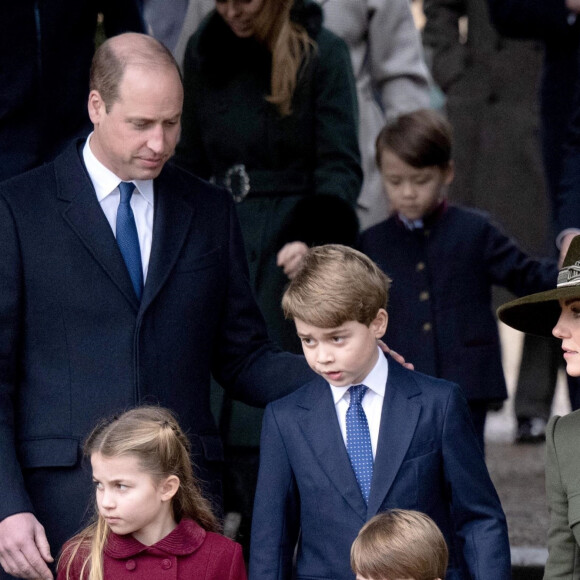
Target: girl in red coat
{"points": [[151, 518]]}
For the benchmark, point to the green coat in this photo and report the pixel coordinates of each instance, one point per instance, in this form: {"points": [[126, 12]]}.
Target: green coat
{"points": [[563, 491], [304, 169]]}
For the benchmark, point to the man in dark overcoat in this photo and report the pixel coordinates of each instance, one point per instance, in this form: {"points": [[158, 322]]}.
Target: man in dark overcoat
{"points": [[123, 281]]}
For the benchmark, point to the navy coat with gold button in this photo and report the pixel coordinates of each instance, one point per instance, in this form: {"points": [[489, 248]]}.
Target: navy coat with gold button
{"points": [[440, 312]]}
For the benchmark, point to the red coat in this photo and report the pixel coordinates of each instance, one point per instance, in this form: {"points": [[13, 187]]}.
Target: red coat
{"points": [[188, 552]]}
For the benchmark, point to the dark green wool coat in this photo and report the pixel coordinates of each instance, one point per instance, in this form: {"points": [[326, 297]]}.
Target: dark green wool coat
{"points": [[304, 168], [290, 160]]}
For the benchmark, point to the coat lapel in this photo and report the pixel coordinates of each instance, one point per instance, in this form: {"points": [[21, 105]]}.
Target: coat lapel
{"points": [[321, 431], [172, 222], [82, 212], [401, 409]]}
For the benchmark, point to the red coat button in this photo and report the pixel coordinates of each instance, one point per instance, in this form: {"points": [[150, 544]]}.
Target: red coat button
{"points": [[131, 565], [166, 564]]}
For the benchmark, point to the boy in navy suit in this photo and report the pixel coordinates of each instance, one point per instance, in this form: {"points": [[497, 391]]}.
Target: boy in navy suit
{"points": [[444, 260], [365, 436]]}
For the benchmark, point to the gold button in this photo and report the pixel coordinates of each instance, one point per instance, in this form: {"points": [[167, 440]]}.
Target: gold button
{"points": [[424, 296], [427, 327], [420, 266]]}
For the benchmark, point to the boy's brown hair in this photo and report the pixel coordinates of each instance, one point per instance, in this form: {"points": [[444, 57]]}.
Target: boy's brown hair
{"points": [[334, 285], [400, 544], [422, 138]]}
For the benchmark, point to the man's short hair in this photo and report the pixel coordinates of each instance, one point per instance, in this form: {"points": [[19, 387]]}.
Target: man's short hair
{"points": [[400, 544], [422, 138], [334, 285], [113, 57]]}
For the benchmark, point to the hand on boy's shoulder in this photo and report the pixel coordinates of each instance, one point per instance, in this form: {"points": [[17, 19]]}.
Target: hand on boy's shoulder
{"points": [[396, 356]]}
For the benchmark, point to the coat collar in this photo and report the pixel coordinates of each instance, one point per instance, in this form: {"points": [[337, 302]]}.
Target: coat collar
{"points": [[319, 425], [187, 537], [430, 220]]}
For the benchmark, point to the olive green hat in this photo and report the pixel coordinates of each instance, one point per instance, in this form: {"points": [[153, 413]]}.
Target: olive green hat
{"points": [[539, 313]]}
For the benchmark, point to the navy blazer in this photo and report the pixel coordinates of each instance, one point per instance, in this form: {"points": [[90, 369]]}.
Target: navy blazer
{"points": [[76, 345], [427, 459], [440, 312]]}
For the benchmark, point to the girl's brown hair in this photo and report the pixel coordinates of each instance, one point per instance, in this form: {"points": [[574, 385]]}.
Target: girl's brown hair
{"points": [[153, 435]]}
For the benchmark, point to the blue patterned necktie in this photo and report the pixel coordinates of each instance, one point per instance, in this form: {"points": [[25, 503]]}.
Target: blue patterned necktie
{"points": [[358, 440], [127, 237]]}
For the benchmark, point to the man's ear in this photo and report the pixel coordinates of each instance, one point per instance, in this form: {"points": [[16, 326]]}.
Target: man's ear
{"points": [[169, 487], [379, 324], [96, 107]]}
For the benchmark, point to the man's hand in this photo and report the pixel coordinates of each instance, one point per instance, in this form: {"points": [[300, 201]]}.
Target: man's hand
{"points": [[400, 359], [24, 549], [573, 5], [290, 258]]}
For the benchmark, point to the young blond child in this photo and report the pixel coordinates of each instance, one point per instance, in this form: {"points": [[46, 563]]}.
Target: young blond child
{"points": [[444, 260], [364, 436], [397, 545], [151, 518]]}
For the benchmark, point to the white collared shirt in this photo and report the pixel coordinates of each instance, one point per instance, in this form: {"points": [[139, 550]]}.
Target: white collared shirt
{"points": [[106, 184], [372, 402]]}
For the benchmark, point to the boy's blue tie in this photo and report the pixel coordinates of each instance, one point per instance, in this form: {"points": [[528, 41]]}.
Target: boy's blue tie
{"points": [[358, 440], [128, 239]]}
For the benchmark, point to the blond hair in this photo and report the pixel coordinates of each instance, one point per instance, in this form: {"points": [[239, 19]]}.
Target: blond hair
{"points": [[334, 285], [290, 46], [154, 437], [400, 544]]}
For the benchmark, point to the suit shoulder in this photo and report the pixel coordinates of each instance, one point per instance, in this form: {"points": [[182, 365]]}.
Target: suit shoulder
{"points": [[18, 187], [376, 231], [329, 41], [191, 187], [218, 542], [564, 429], [468, 216], [376, 235], [432, 386], [302, 395]]}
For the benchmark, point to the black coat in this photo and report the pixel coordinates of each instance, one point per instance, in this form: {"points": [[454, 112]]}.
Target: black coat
{"points": [[75, 345]]}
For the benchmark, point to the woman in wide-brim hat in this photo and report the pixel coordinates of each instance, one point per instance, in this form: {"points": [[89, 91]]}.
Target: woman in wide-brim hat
{"points": [[557, 312]]}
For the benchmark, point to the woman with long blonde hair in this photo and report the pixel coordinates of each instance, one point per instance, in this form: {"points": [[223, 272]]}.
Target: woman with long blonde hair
{"points": [[150, 512], [270, 113]]}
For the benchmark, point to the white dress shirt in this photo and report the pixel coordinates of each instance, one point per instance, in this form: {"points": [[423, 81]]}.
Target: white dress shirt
{"points": [[106, 184], [372, 402]]}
